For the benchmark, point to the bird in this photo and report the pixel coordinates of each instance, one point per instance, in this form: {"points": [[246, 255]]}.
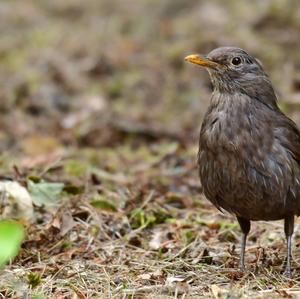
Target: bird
{"points": [[249, 150]]}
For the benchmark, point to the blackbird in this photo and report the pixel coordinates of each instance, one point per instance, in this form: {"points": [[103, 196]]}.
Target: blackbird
{"points": [[249, 151]]}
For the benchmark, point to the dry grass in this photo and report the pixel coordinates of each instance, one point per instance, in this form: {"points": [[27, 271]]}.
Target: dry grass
{"points": [[157, 244]]}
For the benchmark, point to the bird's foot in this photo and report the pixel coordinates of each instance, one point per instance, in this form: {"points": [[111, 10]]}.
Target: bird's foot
{"points": [[287, 273], [241, 268]]}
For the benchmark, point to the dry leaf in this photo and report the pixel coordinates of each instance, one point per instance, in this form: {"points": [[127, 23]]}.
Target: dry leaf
{"points": [[173, 279], [145, 276], [19, 201], [156, 241], [67, 223], [41, 160], [216, 291]]}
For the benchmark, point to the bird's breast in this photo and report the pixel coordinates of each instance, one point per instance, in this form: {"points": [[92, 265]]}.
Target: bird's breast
{"points": [[234, 123], [243, 167]]}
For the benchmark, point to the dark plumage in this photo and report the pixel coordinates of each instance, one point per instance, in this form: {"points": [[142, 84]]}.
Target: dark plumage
{"points": [[249, 154]]}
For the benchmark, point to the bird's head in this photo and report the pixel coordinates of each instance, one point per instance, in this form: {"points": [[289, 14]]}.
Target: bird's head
{"points": [[234, 70]]}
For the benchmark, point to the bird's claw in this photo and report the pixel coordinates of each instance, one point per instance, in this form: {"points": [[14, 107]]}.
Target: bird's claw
{"points": [[241, 266], [287, 273]]}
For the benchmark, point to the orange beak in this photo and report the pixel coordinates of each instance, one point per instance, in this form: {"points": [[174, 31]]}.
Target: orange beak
{"points": [[197, 59]]}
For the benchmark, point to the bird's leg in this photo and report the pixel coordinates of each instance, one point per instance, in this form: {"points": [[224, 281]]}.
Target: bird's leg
{"points": [[245, 227], [288, 229]]}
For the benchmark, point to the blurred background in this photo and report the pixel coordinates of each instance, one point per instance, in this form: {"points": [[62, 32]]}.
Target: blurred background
{"points": [[100, 117], [93, 73]]}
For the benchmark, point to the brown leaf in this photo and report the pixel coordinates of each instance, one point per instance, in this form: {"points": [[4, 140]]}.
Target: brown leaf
{"points": [[41, 160], [67, 223]]}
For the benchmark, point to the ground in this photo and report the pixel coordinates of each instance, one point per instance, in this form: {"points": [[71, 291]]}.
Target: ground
{"points": [[96, 96]]}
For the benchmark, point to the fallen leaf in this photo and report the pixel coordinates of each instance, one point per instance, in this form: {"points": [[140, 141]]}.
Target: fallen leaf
{"points": [[156, 240], [45, 193], [74, 190], [78, 295], [216, 291], [67, 223], [19, 204], [103, 205], [173, 279], [42, 160], [144, 276]]}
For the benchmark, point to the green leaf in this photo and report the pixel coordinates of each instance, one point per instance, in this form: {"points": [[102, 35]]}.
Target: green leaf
{"points": [[44, 193], [34, 178], [103, 205], [11, 236], [74, 190]]}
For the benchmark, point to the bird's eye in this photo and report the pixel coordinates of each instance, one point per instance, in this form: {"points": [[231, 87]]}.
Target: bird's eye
{"points": [[236, 60]]}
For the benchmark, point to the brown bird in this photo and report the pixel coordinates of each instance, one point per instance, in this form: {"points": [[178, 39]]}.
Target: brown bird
{"points": [[249, 151]]}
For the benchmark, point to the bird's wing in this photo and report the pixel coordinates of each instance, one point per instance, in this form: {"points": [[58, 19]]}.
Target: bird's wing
{"points": [[287, 135], [287, 132]]}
